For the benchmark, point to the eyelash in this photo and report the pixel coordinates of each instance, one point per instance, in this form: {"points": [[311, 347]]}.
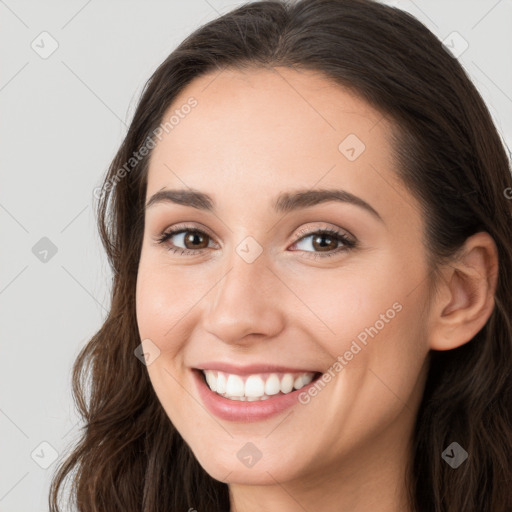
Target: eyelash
{"points": [[339, 236]]}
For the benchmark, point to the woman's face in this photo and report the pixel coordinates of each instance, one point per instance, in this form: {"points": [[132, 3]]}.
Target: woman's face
{"points": [[263, 301]]}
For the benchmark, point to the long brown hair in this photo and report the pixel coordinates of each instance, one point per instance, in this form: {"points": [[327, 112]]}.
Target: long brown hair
{"points": [[450, 156]]}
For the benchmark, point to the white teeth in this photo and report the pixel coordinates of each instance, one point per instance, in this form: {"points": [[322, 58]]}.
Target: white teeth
{"points": [[255, 387], [234, 386], [273, 385], [221, 383], [287, 383], [212, 381], [306, 379]]}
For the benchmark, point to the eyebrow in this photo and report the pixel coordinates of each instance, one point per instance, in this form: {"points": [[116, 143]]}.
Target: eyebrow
{"points": [[284, 203]]}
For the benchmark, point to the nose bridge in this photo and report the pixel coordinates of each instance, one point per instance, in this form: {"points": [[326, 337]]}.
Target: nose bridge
{"points": [[241, 303]]}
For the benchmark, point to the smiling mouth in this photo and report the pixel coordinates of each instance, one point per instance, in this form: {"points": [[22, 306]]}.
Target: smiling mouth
{"points": [[256, 387]]}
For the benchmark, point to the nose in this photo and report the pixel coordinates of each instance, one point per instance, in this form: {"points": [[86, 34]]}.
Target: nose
{"points": [[246, 303]]}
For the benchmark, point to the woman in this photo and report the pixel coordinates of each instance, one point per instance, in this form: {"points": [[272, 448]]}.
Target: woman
{"points": [[309, 227]]}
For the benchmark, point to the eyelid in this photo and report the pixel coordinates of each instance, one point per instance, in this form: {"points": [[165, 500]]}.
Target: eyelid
{"points": [[335, 230], [185, 226]]}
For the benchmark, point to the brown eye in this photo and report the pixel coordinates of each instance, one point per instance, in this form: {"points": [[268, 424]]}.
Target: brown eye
{"points": [[195, 240], [187, 240], [319, 242], [325, 242]]}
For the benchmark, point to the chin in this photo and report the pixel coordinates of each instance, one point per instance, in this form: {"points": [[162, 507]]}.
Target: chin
{"points": [[231, 470]]}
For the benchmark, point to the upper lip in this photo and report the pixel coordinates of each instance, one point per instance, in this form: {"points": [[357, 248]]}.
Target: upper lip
{"points": [[250, 368]]}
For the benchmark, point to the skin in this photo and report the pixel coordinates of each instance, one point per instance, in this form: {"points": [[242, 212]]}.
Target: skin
{"points": [[252, 135]]}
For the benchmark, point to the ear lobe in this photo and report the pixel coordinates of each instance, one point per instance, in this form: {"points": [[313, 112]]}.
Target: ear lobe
{"points": [[466, 297]]}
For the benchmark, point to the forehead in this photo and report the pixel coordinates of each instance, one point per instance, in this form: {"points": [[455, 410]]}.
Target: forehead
{"points": [[256, 132]]}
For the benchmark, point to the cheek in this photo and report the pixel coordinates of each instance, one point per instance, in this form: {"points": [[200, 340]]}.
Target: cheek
{"points": [[161, 306], [340, 304], [370, 315], [164, 297]]}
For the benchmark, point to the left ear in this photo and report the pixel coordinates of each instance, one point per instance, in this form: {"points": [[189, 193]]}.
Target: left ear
{"points": [[465, 299]]}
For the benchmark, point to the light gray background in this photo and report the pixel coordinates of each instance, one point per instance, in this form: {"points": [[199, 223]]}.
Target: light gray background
{"points": [[62, 119]]}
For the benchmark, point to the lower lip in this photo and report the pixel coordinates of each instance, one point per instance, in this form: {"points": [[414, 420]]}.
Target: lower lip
{"points": [[243, 411]]}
